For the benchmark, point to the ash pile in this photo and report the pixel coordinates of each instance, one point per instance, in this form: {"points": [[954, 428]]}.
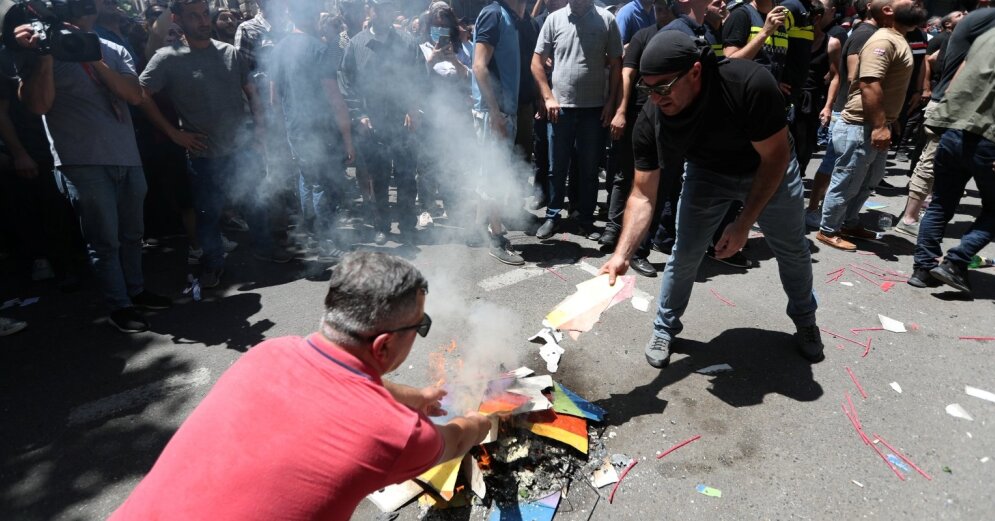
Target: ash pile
{"points": [[544, 440]]}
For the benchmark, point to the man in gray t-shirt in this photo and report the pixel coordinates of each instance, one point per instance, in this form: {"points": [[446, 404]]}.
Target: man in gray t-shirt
{"points": [[206, 80], [85, 108], [583, 41]]}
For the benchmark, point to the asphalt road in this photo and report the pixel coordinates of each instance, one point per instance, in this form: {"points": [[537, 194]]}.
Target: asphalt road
{"points": [[86, 410]]}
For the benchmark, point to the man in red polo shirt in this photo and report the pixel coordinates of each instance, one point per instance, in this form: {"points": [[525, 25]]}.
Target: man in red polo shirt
{"points": [[304, 428]]}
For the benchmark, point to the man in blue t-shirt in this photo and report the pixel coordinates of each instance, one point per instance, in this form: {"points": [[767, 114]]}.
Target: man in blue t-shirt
{"points": [[633, 16]]}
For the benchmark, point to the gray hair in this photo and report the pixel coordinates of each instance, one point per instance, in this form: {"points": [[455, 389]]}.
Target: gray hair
{"points": [[369, 293]]}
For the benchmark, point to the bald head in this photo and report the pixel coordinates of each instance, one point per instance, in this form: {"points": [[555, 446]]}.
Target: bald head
{"points": [[881, 10]]}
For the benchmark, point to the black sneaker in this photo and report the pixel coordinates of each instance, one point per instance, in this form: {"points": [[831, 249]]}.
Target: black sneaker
{"points": [[951, 275], [547, 229], [590, 232], [642, 266], [128, 320], [149, 300], [608, 240], [501, 250], [658, 352], [809, 342], [921, 279], [736, 260]]}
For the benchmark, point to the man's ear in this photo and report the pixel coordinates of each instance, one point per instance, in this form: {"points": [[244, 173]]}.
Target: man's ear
{"points": [[380, 350]]}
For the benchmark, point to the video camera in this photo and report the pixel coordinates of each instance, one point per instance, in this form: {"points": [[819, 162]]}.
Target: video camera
{"points": [[49, 19]]}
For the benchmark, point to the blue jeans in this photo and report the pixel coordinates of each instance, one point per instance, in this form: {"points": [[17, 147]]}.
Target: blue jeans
{"points": [[829, 160], [109, 201], [213, 180], [583, 128], [320, 186], [859, 168], [705, 199], [960, 157]]}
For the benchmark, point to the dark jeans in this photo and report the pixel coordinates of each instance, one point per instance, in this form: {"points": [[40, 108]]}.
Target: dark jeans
{"points": [[320, 185], [961, 156], [215, 180], [805, 129], [621, 170], [580, 126], [540, 151], [391, 144]]}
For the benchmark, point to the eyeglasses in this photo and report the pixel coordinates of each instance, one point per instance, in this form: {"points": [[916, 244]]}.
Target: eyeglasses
{"points": [[423, 328], [660, 90]]}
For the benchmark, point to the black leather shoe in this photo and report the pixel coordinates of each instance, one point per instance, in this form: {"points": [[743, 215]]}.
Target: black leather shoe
{"points": [[608, 241], [642, 266], [922, 279], [547, 229]]}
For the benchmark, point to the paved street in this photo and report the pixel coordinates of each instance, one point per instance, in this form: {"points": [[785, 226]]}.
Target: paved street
{"points": [[86, 410]]}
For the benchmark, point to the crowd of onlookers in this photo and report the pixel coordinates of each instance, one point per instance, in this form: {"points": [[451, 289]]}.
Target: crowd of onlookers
{"points": [[317, 125]]}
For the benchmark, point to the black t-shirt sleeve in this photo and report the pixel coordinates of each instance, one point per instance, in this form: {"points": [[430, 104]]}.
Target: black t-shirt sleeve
{"points": [[736, 29], [636, 45], [764, 106], [645, 151], [487, 29]]}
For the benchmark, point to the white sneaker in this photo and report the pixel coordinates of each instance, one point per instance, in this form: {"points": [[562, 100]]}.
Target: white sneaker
{"points": [[228, 245], [9, 326], [813, 219], [42, 270]]}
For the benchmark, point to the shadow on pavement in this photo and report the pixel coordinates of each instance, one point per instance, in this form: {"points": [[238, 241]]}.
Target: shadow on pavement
{"points": [[763, 362]]}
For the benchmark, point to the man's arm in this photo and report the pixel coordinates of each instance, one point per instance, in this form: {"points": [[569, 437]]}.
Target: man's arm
{"points": [[37, 87], [159, 32], [614, 81], [341, 112], [482, 55], [188, 140], [775, 19], [774, 156], [872, 101], [549, 101], [124, 86], [628, 81], [833, 50], [463, 433]]}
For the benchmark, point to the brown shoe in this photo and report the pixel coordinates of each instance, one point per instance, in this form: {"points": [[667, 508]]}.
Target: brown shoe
{"points": [[859, 233], [836, 242]]}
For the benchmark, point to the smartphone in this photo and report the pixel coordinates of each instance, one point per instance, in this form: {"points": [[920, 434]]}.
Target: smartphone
{"points": [[443, 41]]}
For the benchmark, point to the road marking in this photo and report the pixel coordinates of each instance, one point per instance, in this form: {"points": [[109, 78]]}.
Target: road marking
{"points": [[138, 396], [522, 274]]}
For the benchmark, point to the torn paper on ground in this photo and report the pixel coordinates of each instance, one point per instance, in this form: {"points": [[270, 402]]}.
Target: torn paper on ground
{"points": [[604, 475], [957, 411], [890, 324], [579, 312], [979, 393], [394, 497], [896, 387], [715, 369]]}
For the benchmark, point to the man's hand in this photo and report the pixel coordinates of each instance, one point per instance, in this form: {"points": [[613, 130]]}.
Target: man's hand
{"points": [[825, 116], [350, 153], [497, 125], [925, 97], [616, 265], [775, 19], [27, 37], [192, 141], [733, 239], [618, 125], [410, 122], [479, 422], [552, 109], [881, 138], [365, 126], [607, 115], [25, 167], [785, 89], [429, 401]]}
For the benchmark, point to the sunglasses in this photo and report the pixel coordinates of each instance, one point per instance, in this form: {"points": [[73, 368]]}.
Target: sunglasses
{"points": [[422, 328], [662, 89]]}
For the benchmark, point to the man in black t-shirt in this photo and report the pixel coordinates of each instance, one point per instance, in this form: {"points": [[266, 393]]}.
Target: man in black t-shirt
{"points": [[726, 119]]}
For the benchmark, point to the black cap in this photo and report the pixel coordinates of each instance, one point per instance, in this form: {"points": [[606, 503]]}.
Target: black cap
{"points": [[668, 52]]}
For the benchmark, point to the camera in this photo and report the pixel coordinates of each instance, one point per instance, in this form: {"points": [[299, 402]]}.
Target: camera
{"points": [[49, 19]]}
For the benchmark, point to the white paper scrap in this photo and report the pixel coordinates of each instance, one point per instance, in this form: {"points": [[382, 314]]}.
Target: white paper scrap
{"points": [[551, 354], [845, 283], [715, 369], [890, 324], [641, 303], [957, 411], [604, 475], [394, 497], [896, 387], [979, 393]]}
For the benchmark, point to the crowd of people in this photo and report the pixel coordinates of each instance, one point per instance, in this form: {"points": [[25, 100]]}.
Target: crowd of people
{"points": [[302, 121]]}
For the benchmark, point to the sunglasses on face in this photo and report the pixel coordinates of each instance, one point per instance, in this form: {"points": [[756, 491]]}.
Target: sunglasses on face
{"points": [[422, 328], [662, 89]]}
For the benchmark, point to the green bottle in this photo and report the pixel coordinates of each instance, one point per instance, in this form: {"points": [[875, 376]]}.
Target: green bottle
{"points": [[981, 262]]}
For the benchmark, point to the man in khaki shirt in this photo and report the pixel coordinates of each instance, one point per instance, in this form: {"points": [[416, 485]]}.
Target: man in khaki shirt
{"points": [[863, 135]]}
